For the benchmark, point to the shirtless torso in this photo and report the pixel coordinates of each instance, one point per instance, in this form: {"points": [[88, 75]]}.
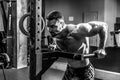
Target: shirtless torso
{"points": [[73, 38]]}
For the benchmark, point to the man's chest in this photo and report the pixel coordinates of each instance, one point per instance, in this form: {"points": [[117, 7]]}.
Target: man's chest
{"points": [[70, 44]]}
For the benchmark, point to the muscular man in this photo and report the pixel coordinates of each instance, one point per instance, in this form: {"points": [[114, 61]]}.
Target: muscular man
{"points": [[75, 38]]}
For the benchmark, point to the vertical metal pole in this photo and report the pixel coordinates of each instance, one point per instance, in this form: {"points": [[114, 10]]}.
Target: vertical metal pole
{"points": [[10, 29], [32, 40], [35, 38], [10, 32], [38, 36]]}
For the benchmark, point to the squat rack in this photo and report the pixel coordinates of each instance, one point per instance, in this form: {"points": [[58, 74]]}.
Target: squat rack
{"points": [[36, 27], [35, 38]]}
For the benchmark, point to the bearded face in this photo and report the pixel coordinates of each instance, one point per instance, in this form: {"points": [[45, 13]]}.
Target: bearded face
{"points": [[54, 26]]}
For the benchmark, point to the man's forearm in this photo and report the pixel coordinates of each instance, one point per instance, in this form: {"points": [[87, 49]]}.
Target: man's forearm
{"points": [[87, 45], [102, 44], [103, 38]]}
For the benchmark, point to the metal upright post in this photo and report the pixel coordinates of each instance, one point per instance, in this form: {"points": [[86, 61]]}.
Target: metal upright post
{"points": [[32, 40], [35, 38], [38, 35], [11, 29]]}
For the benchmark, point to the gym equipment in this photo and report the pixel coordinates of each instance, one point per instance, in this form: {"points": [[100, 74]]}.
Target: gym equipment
{"points": [[21, 24], [4, 58], [34, 36], [49, 57], [67, 55], [40, 57], [11, 31], [2, 66], [25, 32], [8, 22]]}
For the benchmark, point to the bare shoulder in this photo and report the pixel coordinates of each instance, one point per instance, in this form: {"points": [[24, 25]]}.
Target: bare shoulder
{"points": [[80, 26], [84, 27], [97, 27], [98, 24], [70, 27]]}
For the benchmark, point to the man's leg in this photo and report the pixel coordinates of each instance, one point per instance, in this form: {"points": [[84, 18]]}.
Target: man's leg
{"points": [[89, 73], [86, 73], [68, 74]]}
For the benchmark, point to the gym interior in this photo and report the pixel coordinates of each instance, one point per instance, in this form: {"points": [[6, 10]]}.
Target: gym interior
{"points": [[23, 37]]}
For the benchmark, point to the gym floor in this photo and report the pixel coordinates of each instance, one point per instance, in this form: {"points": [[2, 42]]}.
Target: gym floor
{"points": [[23, 74]]}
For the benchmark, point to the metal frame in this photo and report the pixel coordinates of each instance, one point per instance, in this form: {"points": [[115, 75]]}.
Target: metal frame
{"points": [[36, 23], [35, 39], [11, 33]]}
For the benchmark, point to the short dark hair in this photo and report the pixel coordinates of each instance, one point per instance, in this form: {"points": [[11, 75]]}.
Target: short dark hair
{"points": [[54, 15]]}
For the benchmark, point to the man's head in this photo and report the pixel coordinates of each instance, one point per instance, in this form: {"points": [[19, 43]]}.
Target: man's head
{"points": [[55, 22]]}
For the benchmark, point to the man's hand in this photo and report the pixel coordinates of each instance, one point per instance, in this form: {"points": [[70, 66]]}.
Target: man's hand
{"points": [[4, 40], [100, 53], [52, 47]]}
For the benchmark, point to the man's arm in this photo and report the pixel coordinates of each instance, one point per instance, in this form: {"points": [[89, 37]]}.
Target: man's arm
{"points": [[100, 28], [87, 45], [103, 37]]}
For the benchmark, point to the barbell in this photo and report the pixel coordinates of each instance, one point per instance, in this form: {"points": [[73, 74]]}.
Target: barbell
{"points": [[69, 55]]}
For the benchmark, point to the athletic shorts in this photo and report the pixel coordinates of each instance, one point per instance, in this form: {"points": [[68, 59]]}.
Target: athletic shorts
{"points": [[84, 73]]}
